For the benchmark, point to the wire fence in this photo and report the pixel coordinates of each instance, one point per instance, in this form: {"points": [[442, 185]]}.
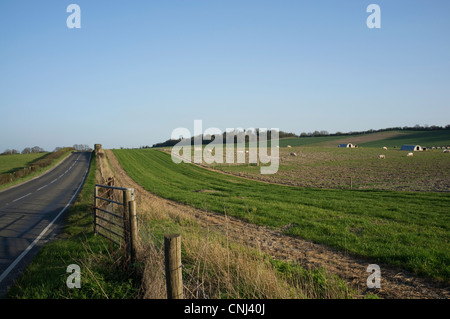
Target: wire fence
{"points": [[114, 215], [191, 286]]}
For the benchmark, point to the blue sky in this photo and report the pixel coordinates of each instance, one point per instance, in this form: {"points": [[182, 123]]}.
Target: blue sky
{"points": [[136, 70]]}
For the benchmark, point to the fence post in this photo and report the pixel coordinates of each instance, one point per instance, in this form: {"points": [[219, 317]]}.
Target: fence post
{"points": [[133, 230], [95, 208], [126, 223], [172, 254]]}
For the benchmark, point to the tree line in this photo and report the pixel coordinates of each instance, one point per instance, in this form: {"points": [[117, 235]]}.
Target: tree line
{"points": [[416, 127], [37, 149], [236, 134], [207, 140]]}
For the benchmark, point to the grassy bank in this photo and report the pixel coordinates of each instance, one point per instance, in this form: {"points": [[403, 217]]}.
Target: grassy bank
{"points": [[410, 230], [100, 263]]}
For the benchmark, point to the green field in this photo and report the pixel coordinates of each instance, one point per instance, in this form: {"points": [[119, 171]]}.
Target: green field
{"points": [[15, 169], [406, 229], [11, 163]]}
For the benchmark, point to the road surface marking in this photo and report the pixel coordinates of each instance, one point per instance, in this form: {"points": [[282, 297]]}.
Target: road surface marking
{"points": [[18, 259], [42, 187], [22, 197]]}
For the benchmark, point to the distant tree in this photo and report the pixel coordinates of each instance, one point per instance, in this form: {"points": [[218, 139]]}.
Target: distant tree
{"points": [[6, 152], [282, 134], [10, 152], [26, 150], [82, 147], [37, 149]]}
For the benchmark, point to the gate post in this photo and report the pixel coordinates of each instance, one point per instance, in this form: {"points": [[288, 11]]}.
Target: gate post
{"points": [[133, 230], [95, 208]]}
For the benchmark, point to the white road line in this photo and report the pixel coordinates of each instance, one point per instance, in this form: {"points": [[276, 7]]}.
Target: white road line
{"points": [[53, 181], [22, 197], [42, 187], [18, 259]]}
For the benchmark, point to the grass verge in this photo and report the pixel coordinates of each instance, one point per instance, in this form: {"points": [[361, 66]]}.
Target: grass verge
{"points": [[216, 266]]}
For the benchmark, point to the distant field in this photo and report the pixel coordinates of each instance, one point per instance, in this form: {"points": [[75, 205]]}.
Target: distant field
{"points": [[431, 138], [333, 167], [11, 163], [400, 228], [19, 168], [378, 139], [305, 141], [320, 163]]}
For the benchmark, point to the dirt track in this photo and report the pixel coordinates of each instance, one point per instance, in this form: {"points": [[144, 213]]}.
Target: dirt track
{"points": [[395, 283]]}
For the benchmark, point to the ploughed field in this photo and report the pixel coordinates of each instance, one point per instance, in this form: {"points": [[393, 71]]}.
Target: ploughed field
{"points": [[359, 168], [406, 229]]}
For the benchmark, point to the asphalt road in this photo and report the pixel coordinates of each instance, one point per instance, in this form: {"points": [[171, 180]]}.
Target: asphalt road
{"points": [[30, 214]]}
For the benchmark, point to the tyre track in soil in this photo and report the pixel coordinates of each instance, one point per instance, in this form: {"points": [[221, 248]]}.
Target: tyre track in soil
{"points": [[396, 283]]}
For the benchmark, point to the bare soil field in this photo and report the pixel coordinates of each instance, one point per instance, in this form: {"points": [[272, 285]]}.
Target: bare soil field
{"points": [[395, 283], [359, 168]]}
